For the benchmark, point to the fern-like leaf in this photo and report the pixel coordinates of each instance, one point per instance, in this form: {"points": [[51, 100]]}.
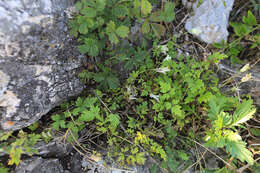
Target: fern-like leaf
{"points": [[114, 120], [238, 149], [146, 7], [243, 113], [122, 31]]}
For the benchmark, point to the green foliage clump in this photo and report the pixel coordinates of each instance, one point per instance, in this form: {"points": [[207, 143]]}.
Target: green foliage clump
{"points": [[100, 24], [162, 102], [244, 30], [15, 144], [223, 132], [166, 104], [94, 25], [21, 144], [186, 86], [86, 110]]}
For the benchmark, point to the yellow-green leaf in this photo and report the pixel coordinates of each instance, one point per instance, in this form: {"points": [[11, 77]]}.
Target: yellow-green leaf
{"points": [[244, 112], [155, 17], [146, 7], [255, 131], [83, 28], [122, 31], [158, 29], [5, 136], [145, 27], [113, 38], [140, 158]]}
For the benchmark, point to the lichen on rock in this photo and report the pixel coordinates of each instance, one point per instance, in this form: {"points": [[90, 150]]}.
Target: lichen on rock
{"points": [[39, 61]]}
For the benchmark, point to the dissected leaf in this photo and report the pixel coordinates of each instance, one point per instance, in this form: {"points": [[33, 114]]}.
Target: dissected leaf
{"points": [[90, 115], [113, 38], [111, 27], [100, 5], [122, 31], [88, 12], [158, 29], [177, 110], [15, 155], [146, 27], [111, 32], [120, 11], [78, 5], [217, 105], [216, 57], [5, 135], [155, 17], [243, 113], [250, 20], [83, 28], [146, 7], [140, 158], [34, 126], [241, 29], [238, 149], [86, 116], [90, 47], [168, 14]]}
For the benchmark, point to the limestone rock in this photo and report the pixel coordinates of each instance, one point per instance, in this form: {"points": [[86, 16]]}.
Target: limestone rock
{"points": [[40, 165], [39, 61], [210, 20]]}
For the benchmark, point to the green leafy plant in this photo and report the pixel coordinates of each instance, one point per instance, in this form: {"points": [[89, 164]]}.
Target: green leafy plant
{"points": [[223, 132], [151, 22], [86, 110], [16, 146], [167, 101], [164, 99], [242, 31], [94, 25], [106, 78], [183, 86]]}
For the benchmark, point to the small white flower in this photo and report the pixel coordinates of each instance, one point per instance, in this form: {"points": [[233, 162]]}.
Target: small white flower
{"points": [[168, 57], [156, 97], [162, 70], [164, 48]]}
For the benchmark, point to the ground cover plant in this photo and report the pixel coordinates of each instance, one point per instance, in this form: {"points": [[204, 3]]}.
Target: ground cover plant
{"points": [[166, 105]]}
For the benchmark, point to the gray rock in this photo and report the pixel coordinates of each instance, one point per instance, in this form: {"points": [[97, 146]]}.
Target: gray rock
{"points": [[53, 149], [39, 165], [39, 61], [252, 86], [210, 20]]}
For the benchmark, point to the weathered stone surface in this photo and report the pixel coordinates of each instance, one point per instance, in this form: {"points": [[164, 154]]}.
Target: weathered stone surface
{"points": [[40, 165], [39, 61], [252, 86], [210, 20]]}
